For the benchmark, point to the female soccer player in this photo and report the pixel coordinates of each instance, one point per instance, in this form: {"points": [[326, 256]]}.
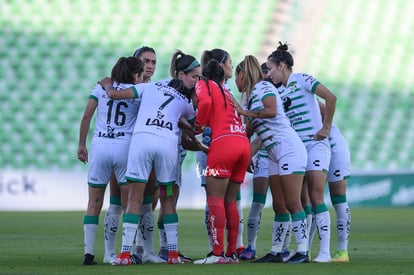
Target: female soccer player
{"points": [[227, 160], [287, 156], [115, 120], [224, 59], [153, 146], [299, 94], [186, 68]]}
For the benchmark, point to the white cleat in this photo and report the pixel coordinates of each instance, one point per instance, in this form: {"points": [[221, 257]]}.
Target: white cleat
{"points": [[213, 259], [152, 258], [109, 259], [322, 257]]}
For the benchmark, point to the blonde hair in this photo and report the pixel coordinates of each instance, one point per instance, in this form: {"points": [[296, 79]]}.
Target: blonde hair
{"points": [[252, 73]]}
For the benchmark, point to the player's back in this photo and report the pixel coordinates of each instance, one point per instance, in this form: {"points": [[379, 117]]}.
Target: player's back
{"points": [[161, 108]]}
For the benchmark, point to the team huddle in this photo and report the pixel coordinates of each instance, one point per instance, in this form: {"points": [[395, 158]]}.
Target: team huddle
{"points": [[280, 131]]}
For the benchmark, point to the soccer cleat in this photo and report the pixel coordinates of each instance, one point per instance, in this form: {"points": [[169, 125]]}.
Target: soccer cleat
{"points": [[322, 258], [201, 261], [184, 258], [135, 259], [248, 254], [174, 258], [212, 259], [340, 256], [240, 250], [285, 254], [270, 258], [152, 258], [88, 259], [298, 258], [124, 258], [163, 254], [139, 251], [109, 259], [232, 259]]}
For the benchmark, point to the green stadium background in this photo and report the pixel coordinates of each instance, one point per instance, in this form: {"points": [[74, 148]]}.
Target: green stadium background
{"points": [[53, 52]]}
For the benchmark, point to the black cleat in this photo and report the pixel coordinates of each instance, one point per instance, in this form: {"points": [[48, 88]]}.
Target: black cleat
{"points": [[184, 258], [299, 258], [88, 259], [136, 259], [270, 258]]}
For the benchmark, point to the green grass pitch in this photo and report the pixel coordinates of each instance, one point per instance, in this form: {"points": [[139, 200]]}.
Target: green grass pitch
{"points": [[381, 242]]}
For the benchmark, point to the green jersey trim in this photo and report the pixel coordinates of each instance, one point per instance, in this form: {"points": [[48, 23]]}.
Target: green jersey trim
{"points": [[135, 91], [93, 98], [314, 86]]}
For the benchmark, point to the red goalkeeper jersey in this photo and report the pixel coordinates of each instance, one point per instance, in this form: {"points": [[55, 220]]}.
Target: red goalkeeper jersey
{"points": [[216, 111]]}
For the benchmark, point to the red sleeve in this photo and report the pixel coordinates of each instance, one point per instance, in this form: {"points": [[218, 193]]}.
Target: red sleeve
{"points": [[204, 104]]}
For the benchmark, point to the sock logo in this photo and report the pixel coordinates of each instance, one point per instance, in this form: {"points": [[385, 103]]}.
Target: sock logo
{"points": [[213, 231], [278, 233]]}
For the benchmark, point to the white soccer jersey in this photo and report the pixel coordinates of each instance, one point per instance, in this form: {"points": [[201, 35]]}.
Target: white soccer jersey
{"points": [[301, 105], [115, 119], [157, 114], [114, 125], [270, 130]]}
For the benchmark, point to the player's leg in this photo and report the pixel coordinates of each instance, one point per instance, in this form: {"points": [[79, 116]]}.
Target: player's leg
{"points": [[91, 221], [343, 219]]}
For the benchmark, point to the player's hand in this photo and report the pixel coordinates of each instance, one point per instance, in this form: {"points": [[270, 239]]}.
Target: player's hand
{"points": [[321, 134], [250, 167], [105, 82], [235, 104], [83, 154]]}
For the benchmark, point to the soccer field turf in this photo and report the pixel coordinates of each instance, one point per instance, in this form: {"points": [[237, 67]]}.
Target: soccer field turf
{"points": [[381, 242]]}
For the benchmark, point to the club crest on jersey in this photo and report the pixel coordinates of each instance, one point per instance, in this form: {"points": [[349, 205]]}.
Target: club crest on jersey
{"points": [[159, 123]]}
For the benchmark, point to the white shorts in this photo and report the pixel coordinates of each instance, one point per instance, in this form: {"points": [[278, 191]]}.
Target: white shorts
{"points": [[107, 157], [148, 151], [261, 165], [340, 165], [201, 159], [319, 155], [288, 157]]}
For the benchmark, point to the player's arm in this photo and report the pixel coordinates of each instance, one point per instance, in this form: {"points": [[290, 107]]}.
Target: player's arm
{"points": [[188, 140], [329, 110], [255, 146], [269, 109], [84, 128], [106, 84], [204, 104]]}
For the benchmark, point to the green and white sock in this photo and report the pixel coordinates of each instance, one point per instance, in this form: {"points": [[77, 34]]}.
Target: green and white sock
{"points": [[171, 231], [130, 226], [279, 229], [254, 219], [90, 225], [253, 223], [299, 227], [343, 220], [111, 223], [163, 236], [323, 224]]}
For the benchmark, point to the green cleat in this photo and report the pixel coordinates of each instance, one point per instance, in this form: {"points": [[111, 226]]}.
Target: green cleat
{"points": [[340, 256]]}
